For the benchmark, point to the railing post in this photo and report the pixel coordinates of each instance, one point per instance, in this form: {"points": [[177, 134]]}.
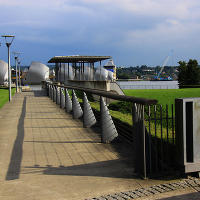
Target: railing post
{"points": [[76, 107], [88, 115], [140, 139], [68, 102], [108, 130]]}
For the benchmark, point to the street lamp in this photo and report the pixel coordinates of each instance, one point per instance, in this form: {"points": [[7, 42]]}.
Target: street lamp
{"points": [[9, 39], [19, 75], [16, 54]]}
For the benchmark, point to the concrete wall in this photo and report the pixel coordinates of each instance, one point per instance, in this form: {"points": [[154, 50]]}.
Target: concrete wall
{"points": [[99, 85]]}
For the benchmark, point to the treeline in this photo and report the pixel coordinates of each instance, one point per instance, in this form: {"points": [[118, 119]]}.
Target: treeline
{"points": [[141, 71], [189, 74]]}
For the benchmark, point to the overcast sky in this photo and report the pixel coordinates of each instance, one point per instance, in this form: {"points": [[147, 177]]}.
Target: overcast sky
{"points": [[133, 32]]}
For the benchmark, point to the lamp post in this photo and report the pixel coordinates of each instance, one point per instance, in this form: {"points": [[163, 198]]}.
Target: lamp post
{"points": [[19, 75], [9, 39], [16, 54]]}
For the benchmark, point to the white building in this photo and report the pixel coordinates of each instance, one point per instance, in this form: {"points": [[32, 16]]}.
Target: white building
{"points": [[37, 73], [3, 72]]}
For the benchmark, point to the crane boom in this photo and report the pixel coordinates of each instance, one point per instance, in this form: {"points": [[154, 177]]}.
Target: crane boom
{"points": [[164, 63]]}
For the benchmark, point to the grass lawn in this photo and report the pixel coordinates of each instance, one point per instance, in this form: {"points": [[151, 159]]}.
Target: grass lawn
{"points": [[165, 96], [4, 96]]}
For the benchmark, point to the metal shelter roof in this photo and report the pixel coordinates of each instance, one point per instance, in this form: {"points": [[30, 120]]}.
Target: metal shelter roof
{"points": [[76, 59]]}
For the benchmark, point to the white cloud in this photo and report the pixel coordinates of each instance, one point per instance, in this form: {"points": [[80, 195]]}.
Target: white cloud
{"points": [[118, 23]]}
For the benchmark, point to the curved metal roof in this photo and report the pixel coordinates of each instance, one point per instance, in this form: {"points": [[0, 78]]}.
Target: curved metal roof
{"points": [[76, 59]]}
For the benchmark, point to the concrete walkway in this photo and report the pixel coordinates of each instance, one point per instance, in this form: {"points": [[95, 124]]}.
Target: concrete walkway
{"points": [[46, 155]]}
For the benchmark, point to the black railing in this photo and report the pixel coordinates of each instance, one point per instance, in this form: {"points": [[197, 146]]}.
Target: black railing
{"points": [[151, 132]]}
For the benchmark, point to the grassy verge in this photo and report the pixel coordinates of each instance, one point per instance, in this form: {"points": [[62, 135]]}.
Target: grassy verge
{"points": [[165, 96], [4, 96]]}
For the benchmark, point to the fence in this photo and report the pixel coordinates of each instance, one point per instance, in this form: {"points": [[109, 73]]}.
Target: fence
{"points": [[152, 132]]}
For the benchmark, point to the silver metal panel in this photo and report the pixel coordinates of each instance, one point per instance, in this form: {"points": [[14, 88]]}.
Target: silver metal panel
{"points": [[3, 72], [37, 73]]}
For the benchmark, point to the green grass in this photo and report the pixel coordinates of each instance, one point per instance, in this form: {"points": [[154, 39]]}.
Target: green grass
{"points": [[165, 96], [4, 96]]}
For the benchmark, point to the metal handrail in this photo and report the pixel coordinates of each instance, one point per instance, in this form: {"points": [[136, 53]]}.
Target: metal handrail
{"points": [[110, 95]]}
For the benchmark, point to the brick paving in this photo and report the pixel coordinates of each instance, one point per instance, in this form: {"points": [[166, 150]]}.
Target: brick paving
{"points": [[45, 154]]}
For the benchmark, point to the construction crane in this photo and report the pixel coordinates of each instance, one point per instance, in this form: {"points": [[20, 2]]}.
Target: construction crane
{"points": [[159, 73]]}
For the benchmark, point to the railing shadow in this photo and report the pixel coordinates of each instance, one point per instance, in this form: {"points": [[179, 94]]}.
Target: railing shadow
{"points": [[111, 168]]}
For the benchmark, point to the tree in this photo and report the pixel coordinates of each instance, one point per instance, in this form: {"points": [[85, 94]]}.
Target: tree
{"points": [[189, 73]]}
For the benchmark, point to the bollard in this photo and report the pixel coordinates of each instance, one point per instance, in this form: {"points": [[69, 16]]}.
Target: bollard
{"points": [[88, 115], [76, 108], [68, 102], [108, 130]]}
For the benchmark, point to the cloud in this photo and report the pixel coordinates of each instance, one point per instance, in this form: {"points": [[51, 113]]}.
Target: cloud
{"points": [[114, 26]]}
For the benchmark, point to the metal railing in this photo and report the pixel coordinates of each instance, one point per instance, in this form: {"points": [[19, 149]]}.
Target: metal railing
{"points": [[161, 144], [151, 133]]}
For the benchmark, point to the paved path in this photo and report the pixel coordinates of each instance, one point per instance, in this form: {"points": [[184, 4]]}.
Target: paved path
{"points": [[46, 155]]}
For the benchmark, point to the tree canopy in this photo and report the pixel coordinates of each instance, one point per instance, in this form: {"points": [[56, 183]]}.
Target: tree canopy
{"points": [[189, 73]]}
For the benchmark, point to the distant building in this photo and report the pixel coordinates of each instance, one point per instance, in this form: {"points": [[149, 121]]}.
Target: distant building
{"points": [[111, 68], [37, 73], [3, 72]]}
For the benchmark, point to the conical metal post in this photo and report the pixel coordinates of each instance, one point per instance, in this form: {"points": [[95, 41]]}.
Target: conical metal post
{"points": [[108, 130], [68, 102], [76, 107], [62, 99], [88, 115], [58, 96], [54, 93], [51, 89]]}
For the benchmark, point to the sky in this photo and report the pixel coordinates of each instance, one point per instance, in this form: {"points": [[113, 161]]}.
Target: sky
{"points": [[133, 32]]}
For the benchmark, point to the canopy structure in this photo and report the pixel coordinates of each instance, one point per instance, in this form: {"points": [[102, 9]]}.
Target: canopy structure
{"points": [[77, 67], [77, 59]]}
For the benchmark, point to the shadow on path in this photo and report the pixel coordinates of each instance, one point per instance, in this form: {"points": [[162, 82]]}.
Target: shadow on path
{"points": [[16, 157], [112, 168]]}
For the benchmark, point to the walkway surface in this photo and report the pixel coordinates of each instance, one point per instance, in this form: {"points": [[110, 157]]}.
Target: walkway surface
{"points": [[47, 155]]}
